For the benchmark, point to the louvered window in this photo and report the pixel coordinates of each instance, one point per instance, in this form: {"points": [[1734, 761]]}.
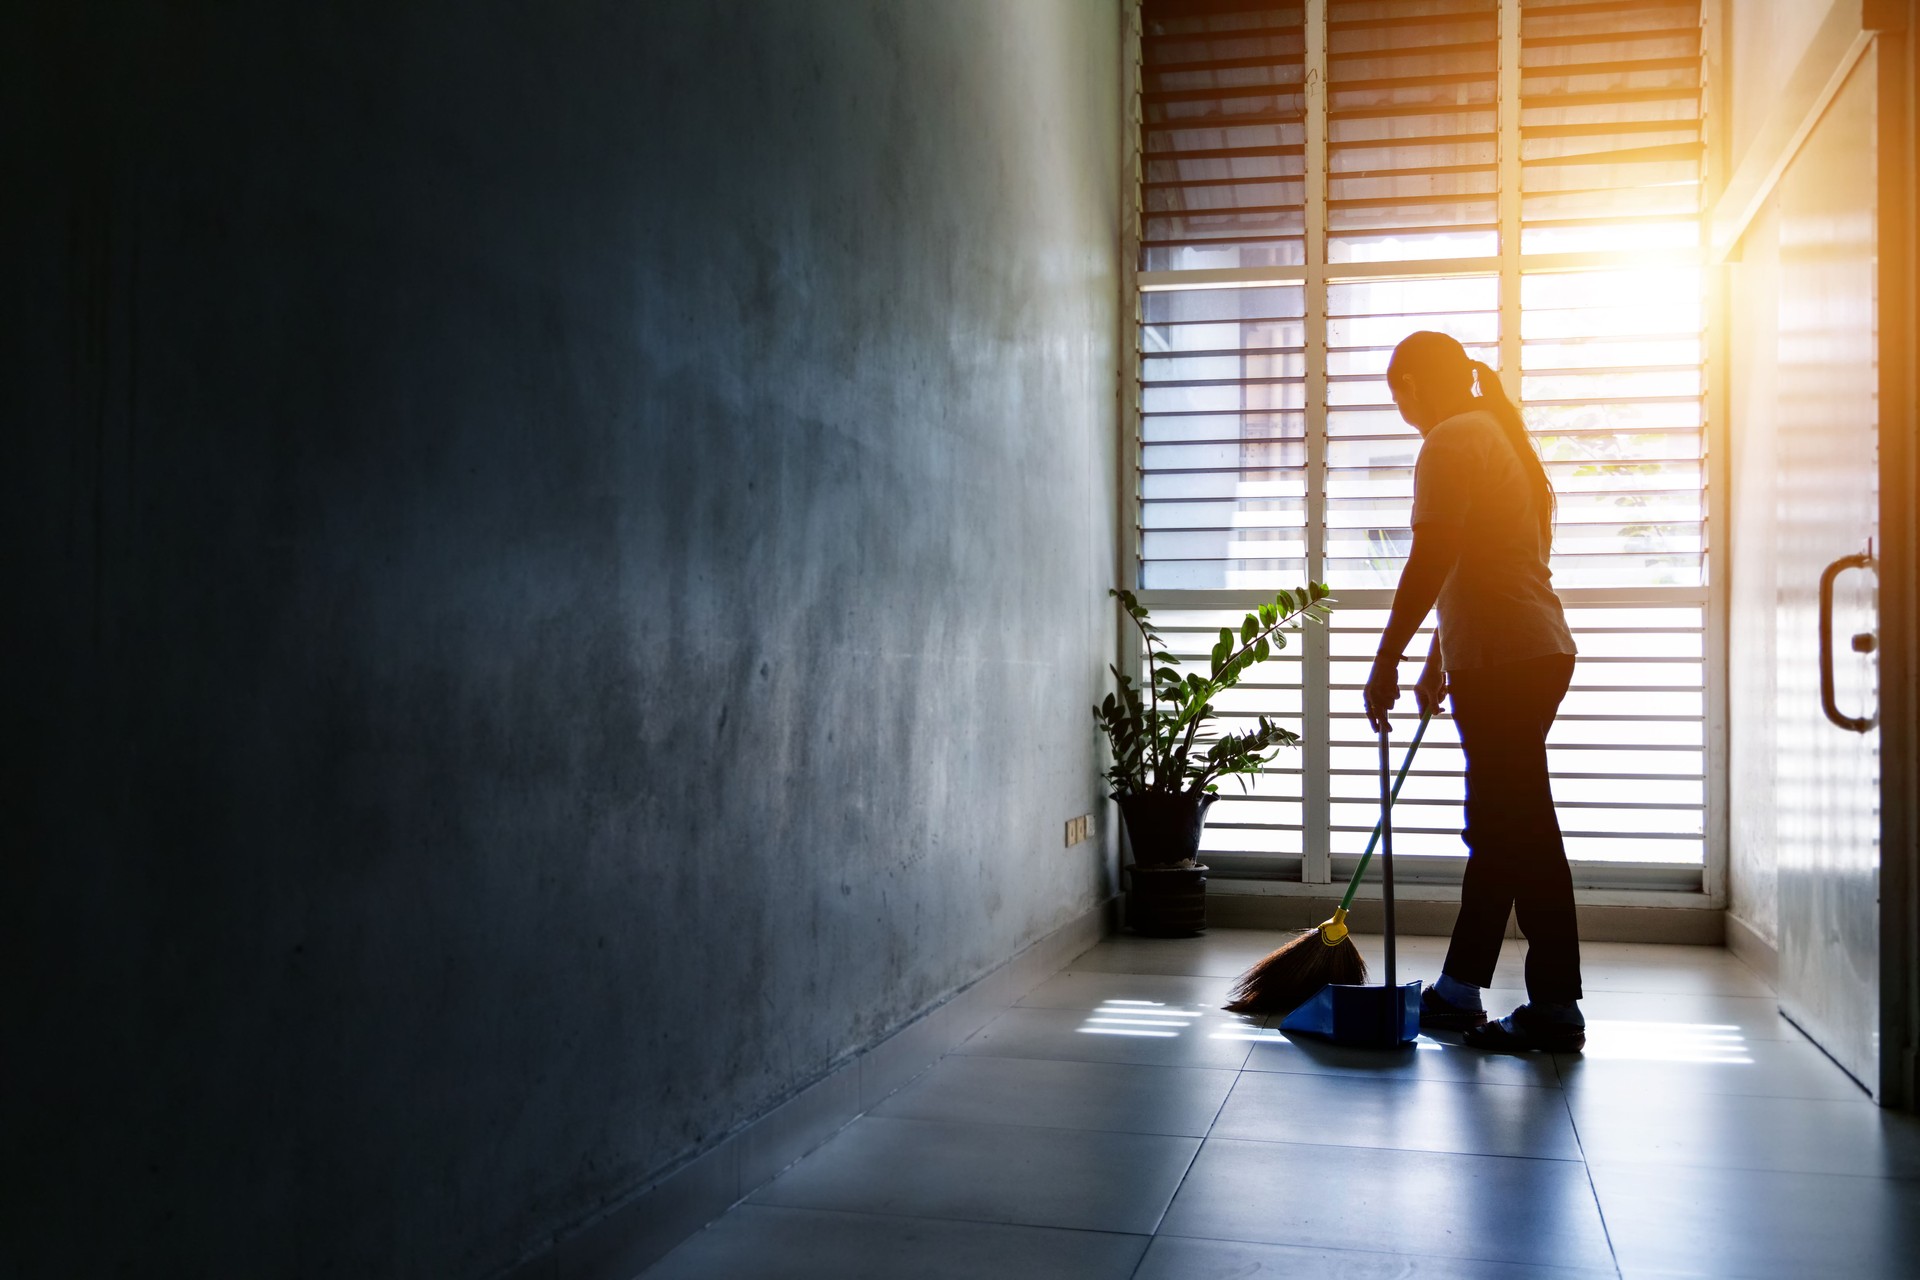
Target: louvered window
{"points": [[1319, 180]]}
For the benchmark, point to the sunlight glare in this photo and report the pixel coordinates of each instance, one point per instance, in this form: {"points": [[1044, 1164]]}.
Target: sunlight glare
{"points": [[1147, 1018], [1700, 1043]]}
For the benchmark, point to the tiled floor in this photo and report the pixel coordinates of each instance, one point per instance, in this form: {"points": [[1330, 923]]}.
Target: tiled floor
{"points": [[1116, 1124]]}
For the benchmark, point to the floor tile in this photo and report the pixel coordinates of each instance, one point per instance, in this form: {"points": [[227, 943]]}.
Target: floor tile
{"points": [[1629, 1068], [1406, 1113], [1180, 1258], [1649, 1022], [1209, 1039], [1730, 978], [1725, 1223], [1428, 1058], [1622, 960], [1420, 1203], [1734, 1131], [765, 1242], [1077, 1178], [1115, 1096], [1086, 989], [1065, 1132], [1221, 954], [1630, 967]]}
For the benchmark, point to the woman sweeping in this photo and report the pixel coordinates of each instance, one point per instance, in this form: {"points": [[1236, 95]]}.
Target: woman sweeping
{"points": [[1482, 530]]}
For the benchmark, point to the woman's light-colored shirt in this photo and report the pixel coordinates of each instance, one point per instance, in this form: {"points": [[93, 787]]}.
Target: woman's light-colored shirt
{"points": [[1497, 604]]}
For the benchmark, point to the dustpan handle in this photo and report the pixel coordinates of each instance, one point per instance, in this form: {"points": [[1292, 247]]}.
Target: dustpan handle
{"points": [[1386, 854], [1359, 872]]}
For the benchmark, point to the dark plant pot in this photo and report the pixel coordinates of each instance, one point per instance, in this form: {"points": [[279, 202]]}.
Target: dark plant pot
{"points": [[1164, 826], [1165, 900]]}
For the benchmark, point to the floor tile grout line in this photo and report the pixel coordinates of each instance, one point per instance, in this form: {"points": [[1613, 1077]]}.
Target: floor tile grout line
{"points": [[932, 1217], [1192, 1160], [1549, 1268], [1141, 1261], [1185, 1173], [1081, 1062], [1744, 1170], [1353, 1077], [1413, 1151], [1050, 1128], [1586, 1167]]}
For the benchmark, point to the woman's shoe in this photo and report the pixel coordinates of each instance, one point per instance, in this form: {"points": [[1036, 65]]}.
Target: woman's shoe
{"points": [[1438, 1014], [1524, 1031]]}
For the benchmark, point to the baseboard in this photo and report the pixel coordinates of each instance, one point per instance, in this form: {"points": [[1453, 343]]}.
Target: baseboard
{"points": [[620, 1243], [1693, 926], [1753, 949]]}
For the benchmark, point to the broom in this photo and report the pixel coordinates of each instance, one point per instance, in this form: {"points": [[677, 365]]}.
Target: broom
{"points": [[1322, 955]]}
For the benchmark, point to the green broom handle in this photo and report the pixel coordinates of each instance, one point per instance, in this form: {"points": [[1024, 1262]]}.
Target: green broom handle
{"points": [[1353, 885]]}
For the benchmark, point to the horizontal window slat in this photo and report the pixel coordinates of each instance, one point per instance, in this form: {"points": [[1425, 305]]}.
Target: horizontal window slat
{"points": [[1532, 11], [1391, 110], [1280, 150], [1480, 12], [1605, 129], [1687, 151], [1609, 98], [1190, 124], [1449, 140], [1387, 84], [1624, 67], [1225, 93], [1191, 184], [1616, 37], [1255, 61], [1481, 46]]}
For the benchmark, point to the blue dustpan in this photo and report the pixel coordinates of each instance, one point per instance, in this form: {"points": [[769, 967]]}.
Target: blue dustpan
{"points": [[1382, 1017], [1367, 1017]]}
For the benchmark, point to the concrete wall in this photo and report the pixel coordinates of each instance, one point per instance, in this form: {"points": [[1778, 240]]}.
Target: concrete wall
{"points": [[566, 551], [1753, 580], [1765, 42]]}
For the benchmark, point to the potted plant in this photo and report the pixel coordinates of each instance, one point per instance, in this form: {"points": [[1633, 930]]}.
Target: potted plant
{"points": [[1162, 782]]}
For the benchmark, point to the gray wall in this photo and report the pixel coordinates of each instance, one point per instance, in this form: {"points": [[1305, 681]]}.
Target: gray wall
{"points": [[566, 548], [1753, 588], [1765, 41]]}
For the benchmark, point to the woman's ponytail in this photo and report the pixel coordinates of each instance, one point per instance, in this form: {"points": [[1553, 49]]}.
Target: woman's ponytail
{"points": [[1508, 417]]}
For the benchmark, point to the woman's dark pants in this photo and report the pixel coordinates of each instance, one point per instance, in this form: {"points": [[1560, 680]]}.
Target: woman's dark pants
{"points": [[1516, 859]]}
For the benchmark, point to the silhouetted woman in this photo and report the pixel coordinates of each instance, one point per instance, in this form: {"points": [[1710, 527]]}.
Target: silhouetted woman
{"points": [[1482, 530]]}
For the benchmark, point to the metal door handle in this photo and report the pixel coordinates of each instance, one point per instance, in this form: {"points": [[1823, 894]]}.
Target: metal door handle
{"points": [[1862, 560]]}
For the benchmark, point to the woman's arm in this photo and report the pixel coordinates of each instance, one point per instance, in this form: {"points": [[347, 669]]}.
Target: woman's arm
{"points": [[1436, 549], [1430, 690]]}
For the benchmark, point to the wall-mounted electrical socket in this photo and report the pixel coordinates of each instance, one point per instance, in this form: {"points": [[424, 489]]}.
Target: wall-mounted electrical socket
{"points": [[1079, 829]]}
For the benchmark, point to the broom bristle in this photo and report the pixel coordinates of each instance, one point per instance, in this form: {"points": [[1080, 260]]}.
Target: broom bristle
{"points": [[1293, 972]]}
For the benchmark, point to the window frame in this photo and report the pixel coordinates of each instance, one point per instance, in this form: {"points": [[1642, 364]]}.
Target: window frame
{"points": [[1319, 870]]}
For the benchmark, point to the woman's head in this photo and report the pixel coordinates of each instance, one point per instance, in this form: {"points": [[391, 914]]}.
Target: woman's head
{"points": [[1432, 379]]}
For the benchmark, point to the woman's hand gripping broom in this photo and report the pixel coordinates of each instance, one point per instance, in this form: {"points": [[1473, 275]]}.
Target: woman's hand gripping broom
{"points": [[1319, 956]]}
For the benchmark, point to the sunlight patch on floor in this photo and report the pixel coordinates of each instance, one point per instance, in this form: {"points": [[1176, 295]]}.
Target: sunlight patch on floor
{"points": [[1704, 1043], [1139, 1018]]}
